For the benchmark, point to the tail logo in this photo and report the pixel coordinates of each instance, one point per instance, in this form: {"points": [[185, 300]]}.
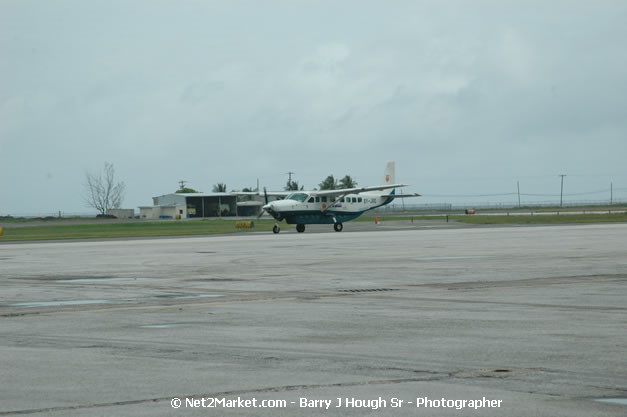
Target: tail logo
{"points": [[387, 178]]}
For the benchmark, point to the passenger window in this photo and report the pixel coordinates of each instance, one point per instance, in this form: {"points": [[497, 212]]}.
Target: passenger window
{"points": [[311, 200], [317, 199], [354, 200], [324, 199], [359, 200], [342, 200], [333, 199]]}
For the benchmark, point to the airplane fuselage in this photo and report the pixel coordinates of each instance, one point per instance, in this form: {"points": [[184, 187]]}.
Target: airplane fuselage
{"points": [[308, 208]]}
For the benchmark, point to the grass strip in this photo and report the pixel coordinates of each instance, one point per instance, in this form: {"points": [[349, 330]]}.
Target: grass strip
{"points": [[370, 218], [542, 219], [129, 230], [221, 226]]}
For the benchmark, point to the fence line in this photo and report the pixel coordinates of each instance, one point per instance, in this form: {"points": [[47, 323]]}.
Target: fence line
{"points": [[399, 206], [396, 206]]}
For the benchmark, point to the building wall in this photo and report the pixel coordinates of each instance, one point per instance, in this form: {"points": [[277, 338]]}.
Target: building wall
{"points": [[170, 200], [122, 213], [172, 212], [161, 212], [191, 205], [146, 212], [211, 206]]}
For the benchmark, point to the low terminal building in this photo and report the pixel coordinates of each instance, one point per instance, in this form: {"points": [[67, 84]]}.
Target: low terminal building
{"points": [[190, 205], [121, 213], [250, 208]]}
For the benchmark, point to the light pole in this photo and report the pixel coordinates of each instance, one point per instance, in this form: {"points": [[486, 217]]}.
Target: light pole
{"points": [[562, 188]]}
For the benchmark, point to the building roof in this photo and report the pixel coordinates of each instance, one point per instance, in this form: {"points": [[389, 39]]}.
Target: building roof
{"points": [[203, 194], [249, 203]]}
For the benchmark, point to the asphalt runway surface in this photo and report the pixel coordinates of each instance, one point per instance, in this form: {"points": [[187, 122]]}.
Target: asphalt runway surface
{"points": [[444, 318]]}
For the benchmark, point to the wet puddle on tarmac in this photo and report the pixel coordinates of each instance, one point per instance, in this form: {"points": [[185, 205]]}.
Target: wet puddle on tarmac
{"points": [[449, 258], [185, 297], [61, 303], [84, 280], [621, 401]]}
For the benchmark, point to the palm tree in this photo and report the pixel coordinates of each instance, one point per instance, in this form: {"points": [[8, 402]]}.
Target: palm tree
{"points": [[246, 197], [219, 188], [292, 186], [348, 182], [329, 183], [186, 190]]}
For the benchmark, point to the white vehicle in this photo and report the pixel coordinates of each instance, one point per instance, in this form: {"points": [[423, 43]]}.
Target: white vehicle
{"points": [[333, 206]]}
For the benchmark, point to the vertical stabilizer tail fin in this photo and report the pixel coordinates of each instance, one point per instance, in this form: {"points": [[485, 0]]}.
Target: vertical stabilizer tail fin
{"points": [[389, 175]]}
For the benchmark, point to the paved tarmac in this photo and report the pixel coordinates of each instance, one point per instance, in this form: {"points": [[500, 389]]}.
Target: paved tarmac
{"points": [[533, 317]]}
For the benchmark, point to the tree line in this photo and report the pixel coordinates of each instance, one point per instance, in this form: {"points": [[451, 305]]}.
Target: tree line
{"points": [[103, 192]]}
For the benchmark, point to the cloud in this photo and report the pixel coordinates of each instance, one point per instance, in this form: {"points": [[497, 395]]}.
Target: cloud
{"points": [[211, 92]]}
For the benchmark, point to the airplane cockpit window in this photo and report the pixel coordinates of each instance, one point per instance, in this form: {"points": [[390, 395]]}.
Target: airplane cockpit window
{"points": [[300, 197], [311, 200]]}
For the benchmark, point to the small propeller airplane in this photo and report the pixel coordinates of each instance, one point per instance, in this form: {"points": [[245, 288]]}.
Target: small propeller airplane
{"points": [[332, 206]]}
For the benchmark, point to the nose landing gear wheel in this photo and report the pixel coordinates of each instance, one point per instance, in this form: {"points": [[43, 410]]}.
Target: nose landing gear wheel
{"points": [[338, 227], [300, 228], [276, 229]]}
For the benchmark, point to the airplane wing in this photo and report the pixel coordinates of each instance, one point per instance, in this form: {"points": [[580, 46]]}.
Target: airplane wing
{"points": [[406, 195], [272, 193], [357, 190], [280, 193]]}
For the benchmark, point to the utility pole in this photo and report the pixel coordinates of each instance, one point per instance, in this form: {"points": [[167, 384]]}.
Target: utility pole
{"points": [[290, 174], [611, 193], [518, 185], [562, 189]]}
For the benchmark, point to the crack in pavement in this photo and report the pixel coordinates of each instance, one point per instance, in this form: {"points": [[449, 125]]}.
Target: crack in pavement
{"points": [[284, 388]]}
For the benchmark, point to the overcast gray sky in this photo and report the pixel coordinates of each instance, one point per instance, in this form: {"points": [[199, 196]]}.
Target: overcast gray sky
{"points": [[466, 96]]}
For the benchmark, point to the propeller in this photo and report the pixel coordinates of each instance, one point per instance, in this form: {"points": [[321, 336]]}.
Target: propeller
{"points": [[265, 208]]}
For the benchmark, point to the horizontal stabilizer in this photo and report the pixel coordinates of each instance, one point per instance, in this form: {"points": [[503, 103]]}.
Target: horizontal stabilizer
{"points": [[357, 190]]}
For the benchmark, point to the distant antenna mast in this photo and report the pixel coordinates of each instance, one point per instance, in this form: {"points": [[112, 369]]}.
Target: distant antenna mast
{"points": [[182, 184], [290, 174], [518, 185]]}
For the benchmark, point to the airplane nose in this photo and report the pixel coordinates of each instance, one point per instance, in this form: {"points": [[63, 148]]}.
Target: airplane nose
{"points": [[269, 208]]}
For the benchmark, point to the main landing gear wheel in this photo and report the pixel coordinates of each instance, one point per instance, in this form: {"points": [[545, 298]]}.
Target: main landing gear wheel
{"points": [[276, 229], [338, 227], [300, 228]]}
